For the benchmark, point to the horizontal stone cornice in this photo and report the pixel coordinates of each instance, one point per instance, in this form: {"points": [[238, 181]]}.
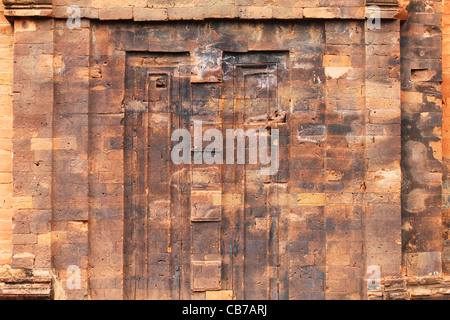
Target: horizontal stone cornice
{"points": [[389, 9]]}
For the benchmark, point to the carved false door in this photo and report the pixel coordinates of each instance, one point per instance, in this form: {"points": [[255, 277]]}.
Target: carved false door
{"points": [[156, 208], [257, 85], [201, 230]]}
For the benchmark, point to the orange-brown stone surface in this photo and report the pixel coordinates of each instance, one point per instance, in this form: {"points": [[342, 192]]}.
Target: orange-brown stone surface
{"points": [[91, 201]]}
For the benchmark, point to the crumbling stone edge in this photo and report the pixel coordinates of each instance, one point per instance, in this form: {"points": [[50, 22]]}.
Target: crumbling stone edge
{"points": [[25, 284], [412, 288]]}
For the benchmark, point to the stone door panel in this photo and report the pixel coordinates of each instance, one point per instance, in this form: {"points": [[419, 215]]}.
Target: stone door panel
{"points": [[177, 241]]}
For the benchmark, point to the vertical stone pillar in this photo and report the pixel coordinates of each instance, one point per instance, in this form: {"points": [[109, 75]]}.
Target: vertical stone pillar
{"points": [[421, 140], [446, 138], [6, 133], [32, 143], [383, 152], [70, 158], [344, 159], [106, 162]]}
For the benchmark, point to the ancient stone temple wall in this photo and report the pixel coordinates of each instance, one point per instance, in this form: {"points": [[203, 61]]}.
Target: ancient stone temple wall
{"points": [[346, 100]]}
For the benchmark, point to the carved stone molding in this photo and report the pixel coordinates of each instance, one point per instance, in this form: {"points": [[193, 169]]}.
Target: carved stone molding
{"points": [[26, 288], [412, 288], [28, 8], [389, 9]]}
